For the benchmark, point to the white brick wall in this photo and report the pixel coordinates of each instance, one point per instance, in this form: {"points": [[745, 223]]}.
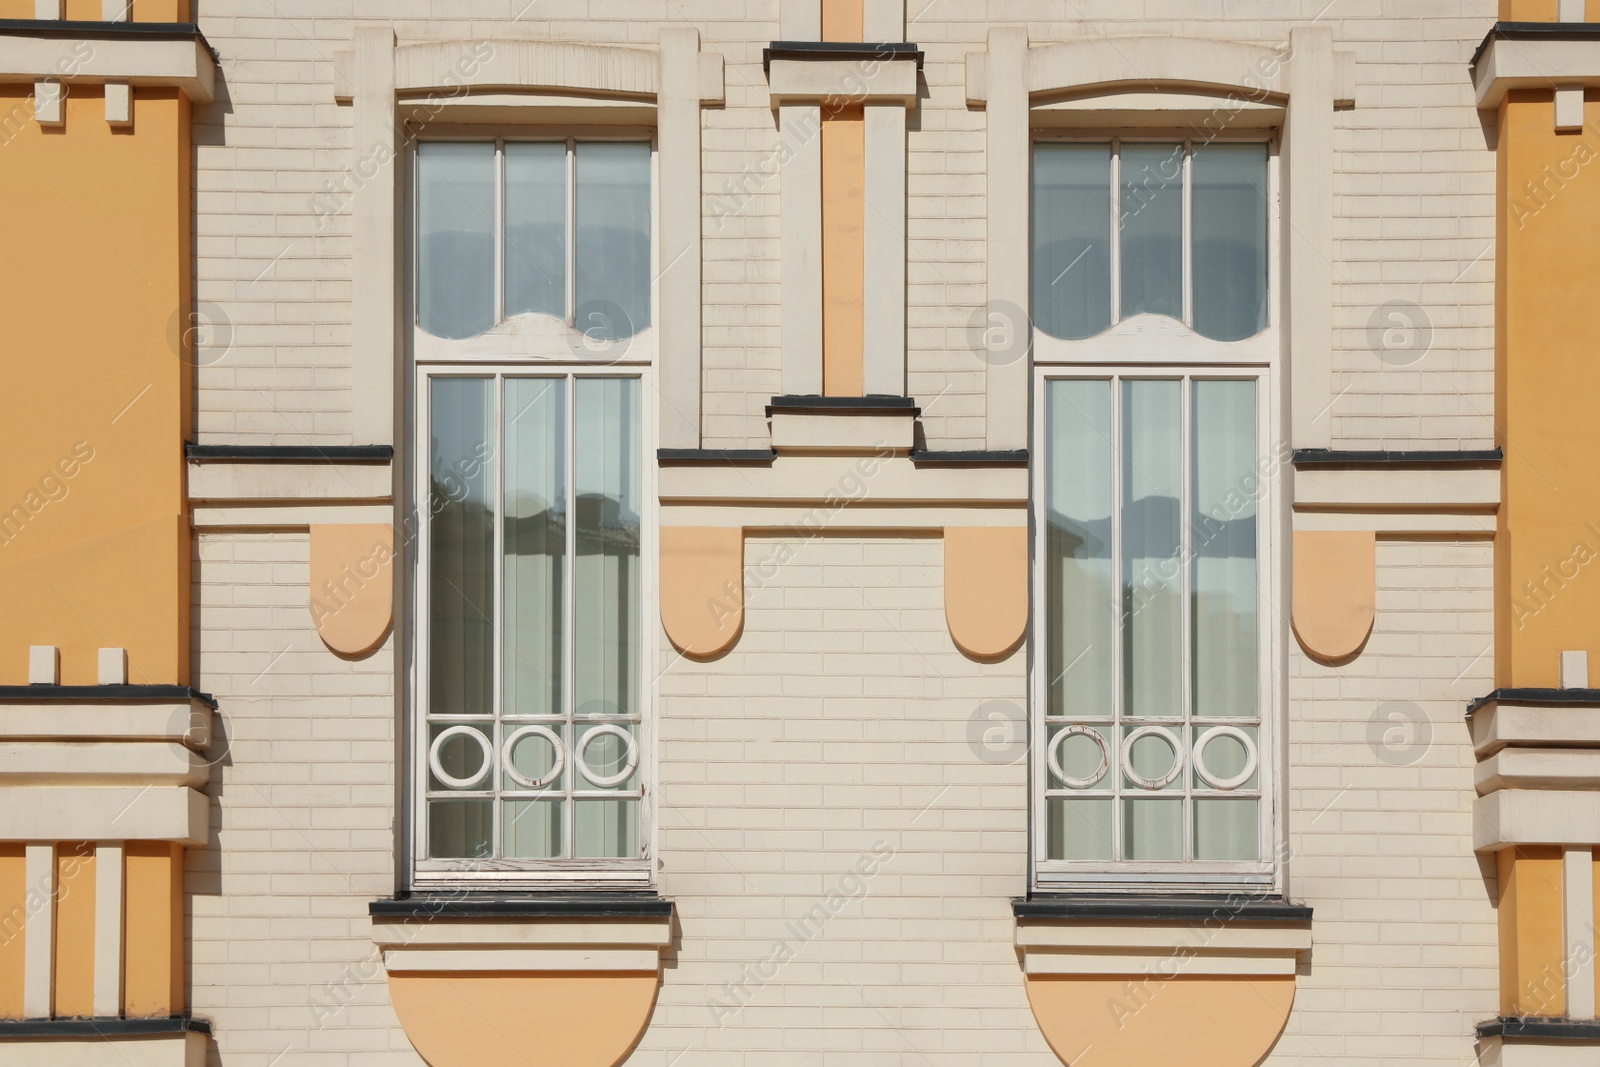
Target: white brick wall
{"points": [[1414, 204]]}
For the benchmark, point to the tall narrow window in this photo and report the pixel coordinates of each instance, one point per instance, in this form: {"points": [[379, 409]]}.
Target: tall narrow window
{"points": [[1156, 760]]}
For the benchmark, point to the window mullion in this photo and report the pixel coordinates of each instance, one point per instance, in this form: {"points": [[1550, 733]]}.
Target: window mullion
{"points": [[497, 453], [500, 231], [1186, 492], [1188, 234], [1118, 609], [1116, 234], [572, 233], [569, 815]]}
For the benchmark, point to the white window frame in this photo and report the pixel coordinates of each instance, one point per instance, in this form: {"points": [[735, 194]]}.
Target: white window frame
{"points": [[501, 354], [1152, 338], [1149, 346]]}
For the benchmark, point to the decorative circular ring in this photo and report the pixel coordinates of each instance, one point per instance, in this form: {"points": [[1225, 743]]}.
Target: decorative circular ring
{"points": [[556, 768], [606, 781], [438, 746], [1127, 757], [1250, 758], [1053, 756]]}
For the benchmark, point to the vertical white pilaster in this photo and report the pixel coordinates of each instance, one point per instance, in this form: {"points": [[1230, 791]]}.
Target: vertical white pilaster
{"points": [[800, 208], [44, 665], [883, 21], [108, 912], [47, 9], [1578, 921], [119, 104], [1308, 236], [678, 365], [1575, 670], [115, 10], [800, 20], [884, 278], [1571, 11], [39, 931], [1569, 109], [375, 218], [1008, 150]]}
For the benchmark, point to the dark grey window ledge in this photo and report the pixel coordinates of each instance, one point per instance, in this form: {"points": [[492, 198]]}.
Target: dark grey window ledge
{"points": [[107, 31], [844, 405], [78, 694], [289, 453], [1310, 458], [1238, 908], [596, 905], [1006, 458], [1548, 697], [103, 1028], [712, 457], [1512, 1027], [861, 52], [1535, 31]]}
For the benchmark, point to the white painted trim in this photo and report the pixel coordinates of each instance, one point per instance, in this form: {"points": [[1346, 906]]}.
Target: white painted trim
{"points": [[1157, 965], [1534, 64], [800, 20], [870, 481], [1570, 11], [1569, 109], [49, 10], [188, 723], [1578, 925], [79, 763], [44, 665], [814, 520], [49, 103], [521, 960], [119, 104], [490, 933], [39, 929], [1400, 524], [1519, 767], [159, 1050], [1220, 936], [112, 666], [1575, 670], [883, 21], [116, 10], [109, 885], [1398, 488], [183, 64], [1536, 817], [375, 233], [214, 481], [800, 283], [1009, 147], [843, 433], [123, 813], [884, 274], [1500, 724], [803, 81], [679, 211], [1252, 70], [294, 517], [1306, 306]]}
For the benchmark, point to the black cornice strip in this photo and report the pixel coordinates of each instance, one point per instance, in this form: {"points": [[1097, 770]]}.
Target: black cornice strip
{"points": [[705, 457], [290, 453], [863, 51], [138, 31], [1535, 31], [1222, 907], [1327, 457], [1017, 457], [76, 694], [844, 405], [596, 905], [1550, 697], [1515, 1026], [177, 1024]]}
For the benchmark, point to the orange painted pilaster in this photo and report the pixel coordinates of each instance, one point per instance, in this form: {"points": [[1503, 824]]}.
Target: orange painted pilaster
{"points": [[844, 212], [1532, 947], [74, 982], [153, 954], [842, 20], [91, 10], [13, 918]]}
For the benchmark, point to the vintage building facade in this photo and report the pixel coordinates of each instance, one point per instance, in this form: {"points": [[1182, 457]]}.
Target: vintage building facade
{"points": [[804, 532]]}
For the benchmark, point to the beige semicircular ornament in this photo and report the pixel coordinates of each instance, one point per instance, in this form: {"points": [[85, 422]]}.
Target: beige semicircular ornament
{"points": [[1335, 591], [702, 588], [986, 588], [352, 585]]}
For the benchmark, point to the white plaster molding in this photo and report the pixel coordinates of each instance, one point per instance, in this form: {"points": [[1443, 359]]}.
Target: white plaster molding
{"points": [[1569, 109], [1536, 817], [39, 925], [1578, 926], [44, 665], [155, 1050], [1164, 949], [225, 481], [48, 9], [1518, 767], [182, 63], [1397, 488], [525, 107], [289, 517], [122, 813], [884, 270], [119, 104], [1575, 670], [109, 887], [802, 81], [1502, 723], [800, 20], [95, 763], [1570, 11], [1306, 306], [111, 666], [1535, 1052], [413, 945], [800, 224], [883, 21], [1507, 65], [813, 519], [186, 723], [680, 283], [49, 103], [813, 432], [116, 10], [868, 481]]}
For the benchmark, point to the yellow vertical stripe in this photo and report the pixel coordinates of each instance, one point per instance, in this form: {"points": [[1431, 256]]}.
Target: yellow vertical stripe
{"points": [[153, 954], [844, 176], [13, 918], [74, 972], [1532, 943], [842, 20]]}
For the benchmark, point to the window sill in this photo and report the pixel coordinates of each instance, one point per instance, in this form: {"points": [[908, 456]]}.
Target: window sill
{"points": [[1196, 908], [597, 905], [1513, 1027]]}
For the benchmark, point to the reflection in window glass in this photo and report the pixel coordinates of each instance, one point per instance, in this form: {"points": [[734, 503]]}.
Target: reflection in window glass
{"points": [[536, 229], [613, 240], [1230, 241], [1150, 220], [1072, 239], [455, 221]]}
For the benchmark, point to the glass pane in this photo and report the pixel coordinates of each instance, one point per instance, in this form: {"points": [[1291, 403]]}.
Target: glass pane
{"points": [[1230, 241], [1227, 829], [1150, 217], [1080, 829], [613, 240], [455, 255], [607, 829], [606, 452], [459, 829], [1078, 577], [1072, 239], [1152, 475], [461, 552], [1152, 829], [533, 829], [535, 544], [536, 229], [1223, 527]]}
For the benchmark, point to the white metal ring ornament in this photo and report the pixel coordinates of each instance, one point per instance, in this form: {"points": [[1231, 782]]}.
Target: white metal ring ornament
{"points": [[606, 781], [556, 767], [1140, 780], [1250, 758], [438, 746], [1053, 756]]}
